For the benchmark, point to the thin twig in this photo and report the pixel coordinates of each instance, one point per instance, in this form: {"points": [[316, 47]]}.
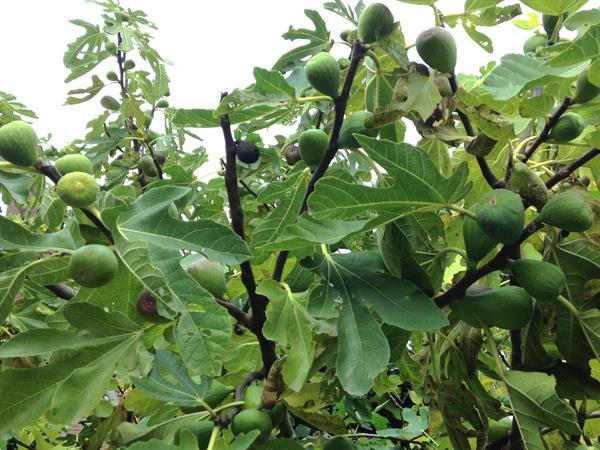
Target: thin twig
{"points": [[235, 312], [543, 136], [568, 170], [61, 291]]}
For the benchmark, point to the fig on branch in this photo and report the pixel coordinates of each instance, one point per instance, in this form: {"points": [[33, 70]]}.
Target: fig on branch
{"points": [[501, 215], [74, 163], [339, 443], [313, 145], [346, 35], [482, 145], [508, 307], [498, 429], [528, 185], [252, 419], [129, 64], [570, 211], [355, 124], [540, 279], [160, 157], [112, 76], [18, 143], [343, 63], [533, 43], [247, 152], [292, 155], [110, 103], [585, 90], [146, 305], [210, 275], [437, 47], [93, 265], [252, 396], [375, 22], [147, 166], [568, 127], [111, 48], [77, 189], [477, 243], [162, 103], [323, 74]]}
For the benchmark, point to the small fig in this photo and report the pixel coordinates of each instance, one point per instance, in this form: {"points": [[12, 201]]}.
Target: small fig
{"points": [[162, 103], [569, 211], [247, 152], [110, 103], [528, 185], [210, 275], [129, 64], [292, 155], [323, 74], [112, 76], [312, 146], [18, 143], [346, 35], [147, 166], [437, 47], [146, 305], [482, 145], [585, 90], [533, 43], [93, 265], [375, 22], [111, 48]]}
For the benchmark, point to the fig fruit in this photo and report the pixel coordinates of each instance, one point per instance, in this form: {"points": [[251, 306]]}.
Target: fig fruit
{"points": [[129, 64], [146, 305], [339, 443], [93, 265], [346, 35], [292, 155], [247, 152], [570, 211], [355, 124], [18, 143], [534, 42], [162, 103], [501, 215], [147, 166], [375, 22], [528, 185], [585, 90], [540, 279], [252, 396], [323, 74], [112, 76], [111, 48], [569, 126], [252, 419], [508, 307], [77, 189], [312, 145], [477, 243], [437, 47], [210, 275], [110, 103], [482, 145], [343, 63], [74, 163]]}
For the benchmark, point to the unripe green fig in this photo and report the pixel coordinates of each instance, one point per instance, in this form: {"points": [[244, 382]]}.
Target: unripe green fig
{"points": [[202, 430], [534, 42], [339, 443], [162, 103], [146, 305], [252, 419], [437, 47], [323, 74], [343, 63], [355, 124], [585, 90], [74, 163], [477, 243], [18, 143], [173, 211], [482, 145], [313, 145], [93, 265], [570, 211], [112, 76], [528, 185], [252, 396], [501, 215], [292, 155], [346, 35], [375, 22], [508, 307], [215, 396], [152, 137], [147, 119], [540, 279], [568, 127], [247, 152], [129, 64], [210, 275], [147, 166], [110, 103], [77, 189], [111, 48]]}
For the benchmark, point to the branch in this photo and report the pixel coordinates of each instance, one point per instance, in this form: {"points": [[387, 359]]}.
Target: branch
{"points": [[48, 170], [543, 137], [239, 395], [235, 312], [358, 53], [486, 171], [568, 170], [61, 291]]}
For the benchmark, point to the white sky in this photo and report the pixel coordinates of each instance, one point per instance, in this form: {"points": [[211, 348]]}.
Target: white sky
{"points": [[213, 46]]}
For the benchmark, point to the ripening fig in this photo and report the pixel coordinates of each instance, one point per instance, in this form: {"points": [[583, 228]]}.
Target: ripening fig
{"points": [[147, 166], [585, 90], [437, 47], [247, 152], [312, 145], [569, 210], [18, 143], [501, 215], [74, 163], [77, 189], [375, 22], [292, 155], [146, 305], [93, 265], [323, 74], [568, 127], [110, 103], [533, 43], [210, 275]]}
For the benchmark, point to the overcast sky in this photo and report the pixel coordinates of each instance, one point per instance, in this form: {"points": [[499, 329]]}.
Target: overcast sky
{"points": [[213, 46]]}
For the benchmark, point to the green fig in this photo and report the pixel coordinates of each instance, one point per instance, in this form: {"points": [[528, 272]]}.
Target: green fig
{"points": [[252, 419], [323, 74], [147, 166], [162, 103], [481, 145], [533, 43], [202, 430], [74, 163], [569, 210], [477, 243], [111, 48], [112, 76], [346, 35], [437, 47], [501, 215], [376, 21], [585, 90], [18, 143], [344, 63], [355, 124], [129, 64], [93, 265], [540, 279], [313, 145], [498, 429], [569, 126], [210, 275], [110, 103], [77, 189], [528, 185]]}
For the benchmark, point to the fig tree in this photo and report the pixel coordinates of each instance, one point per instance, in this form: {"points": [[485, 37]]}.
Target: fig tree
{"points": [[585, 90], [375, 22], [292, 155], [147, 166], [77, 189], [210, 275], [247, 152], [93, 265], [339, 443], [477, 243], [323, 74], [252, 419], [112, 76], [540, 279], [437, 47], [18, 143], [501, 215], [129, 64], [355, 124], [312, 145], [533, 43], [74, 163], [569, 126], [569, 210], [110, 103], [528, 185]]}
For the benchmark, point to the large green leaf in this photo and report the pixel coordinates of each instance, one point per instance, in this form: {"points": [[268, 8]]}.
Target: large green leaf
{"points": [[16, 184], [581, 50], [554, 7], [16, 237], [85, 52]]}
